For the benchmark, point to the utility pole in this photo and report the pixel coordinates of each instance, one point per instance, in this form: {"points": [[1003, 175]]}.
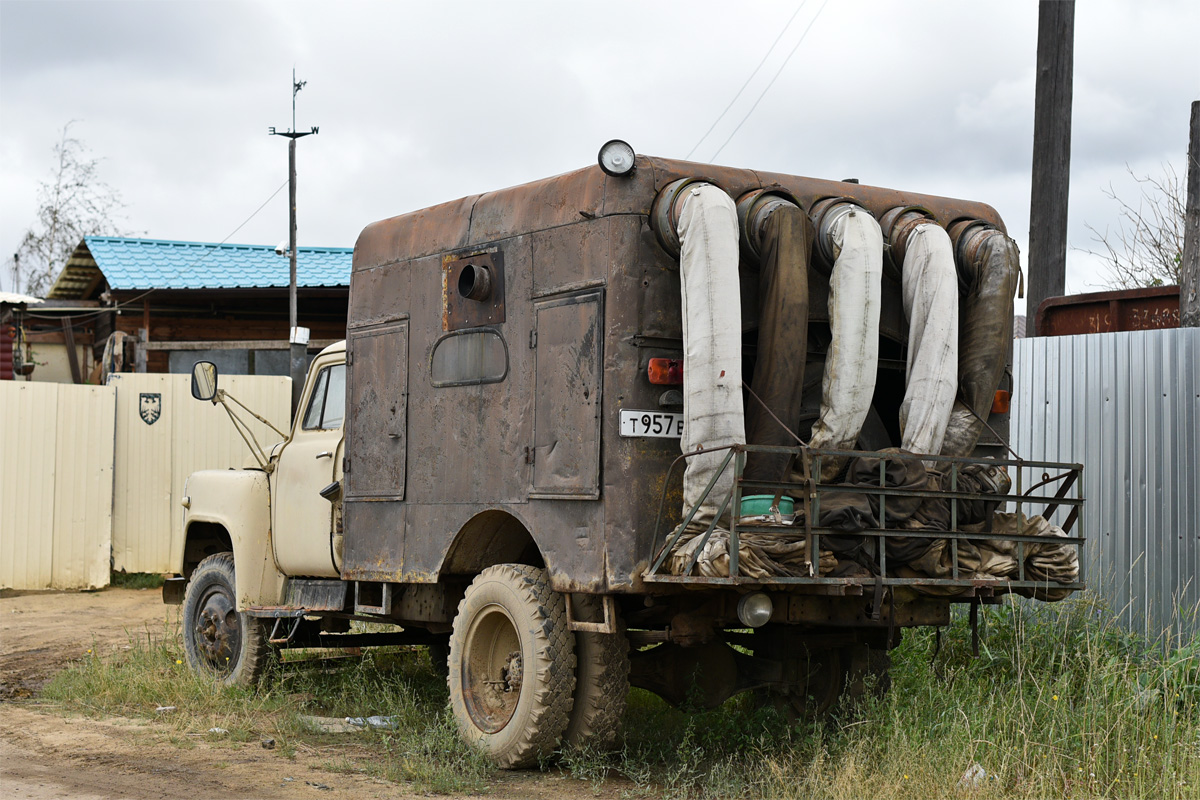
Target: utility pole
{"points": [[1051, 155], [1189, 269], [297, 336]]}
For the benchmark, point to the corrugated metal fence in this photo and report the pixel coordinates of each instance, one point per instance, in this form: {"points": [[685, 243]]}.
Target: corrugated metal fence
{"points": [[154, 458], [1127, 407], [56, 482], [93, 473]]}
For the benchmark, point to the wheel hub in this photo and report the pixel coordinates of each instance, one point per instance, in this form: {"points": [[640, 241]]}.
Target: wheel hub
{"points": [[218, 631], [493, 670]]}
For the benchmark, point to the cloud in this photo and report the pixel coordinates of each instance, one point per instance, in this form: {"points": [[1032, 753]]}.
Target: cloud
{"points": [[422, 103]]}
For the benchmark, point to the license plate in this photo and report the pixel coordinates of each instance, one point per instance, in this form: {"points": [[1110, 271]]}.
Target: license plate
{"points": [[657, 424]]}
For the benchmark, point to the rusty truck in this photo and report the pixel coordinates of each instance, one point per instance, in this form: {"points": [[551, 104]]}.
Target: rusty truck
{"points": [[491, 462]]}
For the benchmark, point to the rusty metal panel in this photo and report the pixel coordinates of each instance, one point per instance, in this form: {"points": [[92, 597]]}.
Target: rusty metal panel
{"points": [[1127, 406], [483, 429], [380, 294], [163, 435], [377, 424], [568, 345], [472, 290], [571, 233], [56, 452], [1151, 308], [571, 256], [436, 229], [538, 206]]}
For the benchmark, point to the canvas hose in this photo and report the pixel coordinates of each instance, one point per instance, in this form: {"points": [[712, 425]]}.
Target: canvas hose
{"points": [[778, 379]]}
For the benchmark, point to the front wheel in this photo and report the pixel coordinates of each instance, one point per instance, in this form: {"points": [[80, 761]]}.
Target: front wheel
{"points": [[218, 640], [512, 665]]}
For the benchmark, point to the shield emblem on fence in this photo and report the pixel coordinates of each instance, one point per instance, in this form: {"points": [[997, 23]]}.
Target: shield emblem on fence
{"points": [[150, 407]]}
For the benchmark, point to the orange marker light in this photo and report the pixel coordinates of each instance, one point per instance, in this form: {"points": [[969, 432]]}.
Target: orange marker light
{"points": [[1001, 402], [665, 371]]}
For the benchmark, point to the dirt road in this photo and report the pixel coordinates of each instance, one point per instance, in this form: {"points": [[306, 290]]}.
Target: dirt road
{"points": [[44, 754]]}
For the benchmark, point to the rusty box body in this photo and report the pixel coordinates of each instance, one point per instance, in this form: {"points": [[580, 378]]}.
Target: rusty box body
{"points": [[467, 418], [1149, 308]]}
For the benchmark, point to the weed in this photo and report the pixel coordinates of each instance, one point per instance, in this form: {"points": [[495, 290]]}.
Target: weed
{"points": [[1059, 703], [136, 580]]}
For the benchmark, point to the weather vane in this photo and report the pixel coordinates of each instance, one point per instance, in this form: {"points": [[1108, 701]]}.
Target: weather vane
{"points": [[292, 133]]}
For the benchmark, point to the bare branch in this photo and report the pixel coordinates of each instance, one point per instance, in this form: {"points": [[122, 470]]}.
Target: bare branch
{"points": [[74, 202], [1147, 247]]}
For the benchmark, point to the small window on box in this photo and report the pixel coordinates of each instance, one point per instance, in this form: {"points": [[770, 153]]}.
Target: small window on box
{"points": [[469, 358]]}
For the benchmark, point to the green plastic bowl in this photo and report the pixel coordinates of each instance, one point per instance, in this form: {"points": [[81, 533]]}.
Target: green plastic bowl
{"points": [[756, 505]]}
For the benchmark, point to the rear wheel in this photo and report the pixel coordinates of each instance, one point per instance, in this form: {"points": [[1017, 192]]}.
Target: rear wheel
{"points": [[816, 675], [439, 657], [512, 665], [601, 683], [218, 640]]}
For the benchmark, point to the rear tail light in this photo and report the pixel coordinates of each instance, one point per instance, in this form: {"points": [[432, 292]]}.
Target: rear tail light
{"points": [[1001, 402], [665, 371]]}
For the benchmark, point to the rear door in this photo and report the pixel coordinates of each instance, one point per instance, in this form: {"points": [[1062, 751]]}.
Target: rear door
{"points": [[568, 338]]}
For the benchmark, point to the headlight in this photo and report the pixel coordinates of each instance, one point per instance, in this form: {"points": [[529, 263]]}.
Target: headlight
{"points": [[754, 610], [616, 158]]}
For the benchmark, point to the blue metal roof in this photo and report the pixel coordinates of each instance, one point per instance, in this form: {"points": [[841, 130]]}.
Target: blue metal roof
{"points": [[163, 264]]}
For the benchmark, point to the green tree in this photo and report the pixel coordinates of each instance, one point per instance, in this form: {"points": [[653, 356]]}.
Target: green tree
{"points": [[74, 202]]}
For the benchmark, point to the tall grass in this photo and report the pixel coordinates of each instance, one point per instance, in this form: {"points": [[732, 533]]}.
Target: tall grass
{"points": [[1059, 703]]}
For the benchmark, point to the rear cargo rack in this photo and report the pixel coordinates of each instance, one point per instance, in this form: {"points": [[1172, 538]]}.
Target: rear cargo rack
{"points": [[1055, 493]]}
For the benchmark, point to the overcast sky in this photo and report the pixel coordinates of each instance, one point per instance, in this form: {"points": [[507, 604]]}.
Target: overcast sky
{"points": [[419, 103]]}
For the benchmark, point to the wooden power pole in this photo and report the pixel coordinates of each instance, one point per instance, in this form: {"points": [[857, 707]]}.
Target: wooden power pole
{"points": [[1051, 155], [297, 336], [1189, 270]]}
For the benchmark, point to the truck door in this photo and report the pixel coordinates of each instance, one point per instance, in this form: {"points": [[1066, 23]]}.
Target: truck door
{"points": [[303, 535], [566, 411]]}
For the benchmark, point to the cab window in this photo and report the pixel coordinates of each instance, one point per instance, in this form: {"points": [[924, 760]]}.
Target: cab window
{"points": [[327, 406]]}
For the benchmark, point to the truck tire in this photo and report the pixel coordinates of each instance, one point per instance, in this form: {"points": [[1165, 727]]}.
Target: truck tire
{"points": [[868, 672], [439, 657], [512, 666], [601, 685], [819, 674], [218, 640]]}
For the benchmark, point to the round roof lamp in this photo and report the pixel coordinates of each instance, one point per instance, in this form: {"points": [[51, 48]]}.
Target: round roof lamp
{"points": [[616, 158]]}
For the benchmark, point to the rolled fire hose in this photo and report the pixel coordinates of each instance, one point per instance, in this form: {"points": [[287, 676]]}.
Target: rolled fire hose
{"points": [[851, 238], [778, 232], [930, 288], [712, 340], [988, 267]]}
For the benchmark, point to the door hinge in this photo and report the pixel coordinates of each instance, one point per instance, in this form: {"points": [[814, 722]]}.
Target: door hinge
{"points": [[349, 359], [345, 465], [530, 455], [532, 339]]}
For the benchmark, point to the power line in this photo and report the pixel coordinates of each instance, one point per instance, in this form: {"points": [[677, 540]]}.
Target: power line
{"points": [[766, 55], [772, 83], [182, 271]]}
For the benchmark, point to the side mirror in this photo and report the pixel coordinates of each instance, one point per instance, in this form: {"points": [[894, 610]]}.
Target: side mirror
{"points": [[204, 380]]}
